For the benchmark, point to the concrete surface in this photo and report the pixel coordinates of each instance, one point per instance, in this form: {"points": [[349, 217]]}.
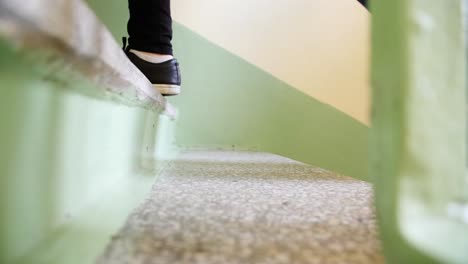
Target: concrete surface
{"points": [[245, 207]]}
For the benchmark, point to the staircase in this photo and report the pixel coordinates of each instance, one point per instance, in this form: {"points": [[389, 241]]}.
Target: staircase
{"points": [[84, 136]]}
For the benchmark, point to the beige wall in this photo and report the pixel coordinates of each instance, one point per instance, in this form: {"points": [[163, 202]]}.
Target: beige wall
{"points": [[317, 46]]}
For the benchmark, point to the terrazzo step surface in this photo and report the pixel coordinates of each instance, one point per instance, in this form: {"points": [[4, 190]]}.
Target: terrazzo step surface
{"points": [[245, 207]]}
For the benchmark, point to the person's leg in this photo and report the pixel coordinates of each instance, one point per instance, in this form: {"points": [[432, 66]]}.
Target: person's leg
{"points": [[150, 26], [364, 3], [150, 47]]}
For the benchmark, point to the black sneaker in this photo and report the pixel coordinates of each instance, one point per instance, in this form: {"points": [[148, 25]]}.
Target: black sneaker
{"points": [[164, 76]]}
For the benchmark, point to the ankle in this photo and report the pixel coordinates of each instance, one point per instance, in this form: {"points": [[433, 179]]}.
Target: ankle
{"points": [[152, 57]]}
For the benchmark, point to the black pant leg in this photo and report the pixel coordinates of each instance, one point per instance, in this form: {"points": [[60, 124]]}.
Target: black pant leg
{"points": [[364, 3], [150, 26]]}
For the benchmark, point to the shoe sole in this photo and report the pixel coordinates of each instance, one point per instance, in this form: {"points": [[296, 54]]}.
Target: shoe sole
{"points": [[167, 89]]}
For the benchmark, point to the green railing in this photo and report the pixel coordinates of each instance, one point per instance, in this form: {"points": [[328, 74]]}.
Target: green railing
{"points": [[418, 132]]}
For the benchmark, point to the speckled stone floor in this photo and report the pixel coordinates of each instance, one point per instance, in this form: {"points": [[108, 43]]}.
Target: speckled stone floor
{"points": [[244, 207]]}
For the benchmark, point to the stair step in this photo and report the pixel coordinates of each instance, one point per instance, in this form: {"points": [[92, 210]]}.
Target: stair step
{"points": [[247, 207], [69, 34]]}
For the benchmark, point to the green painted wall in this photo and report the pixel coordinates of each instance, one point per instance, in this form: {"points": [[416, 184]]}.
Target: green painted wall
{"points": [[229, 103]]}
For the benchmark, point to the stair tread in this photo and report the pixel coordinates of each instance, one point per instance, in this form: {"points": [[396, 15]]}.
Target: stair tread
{"points": [[68, 33], [246, 207]]}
